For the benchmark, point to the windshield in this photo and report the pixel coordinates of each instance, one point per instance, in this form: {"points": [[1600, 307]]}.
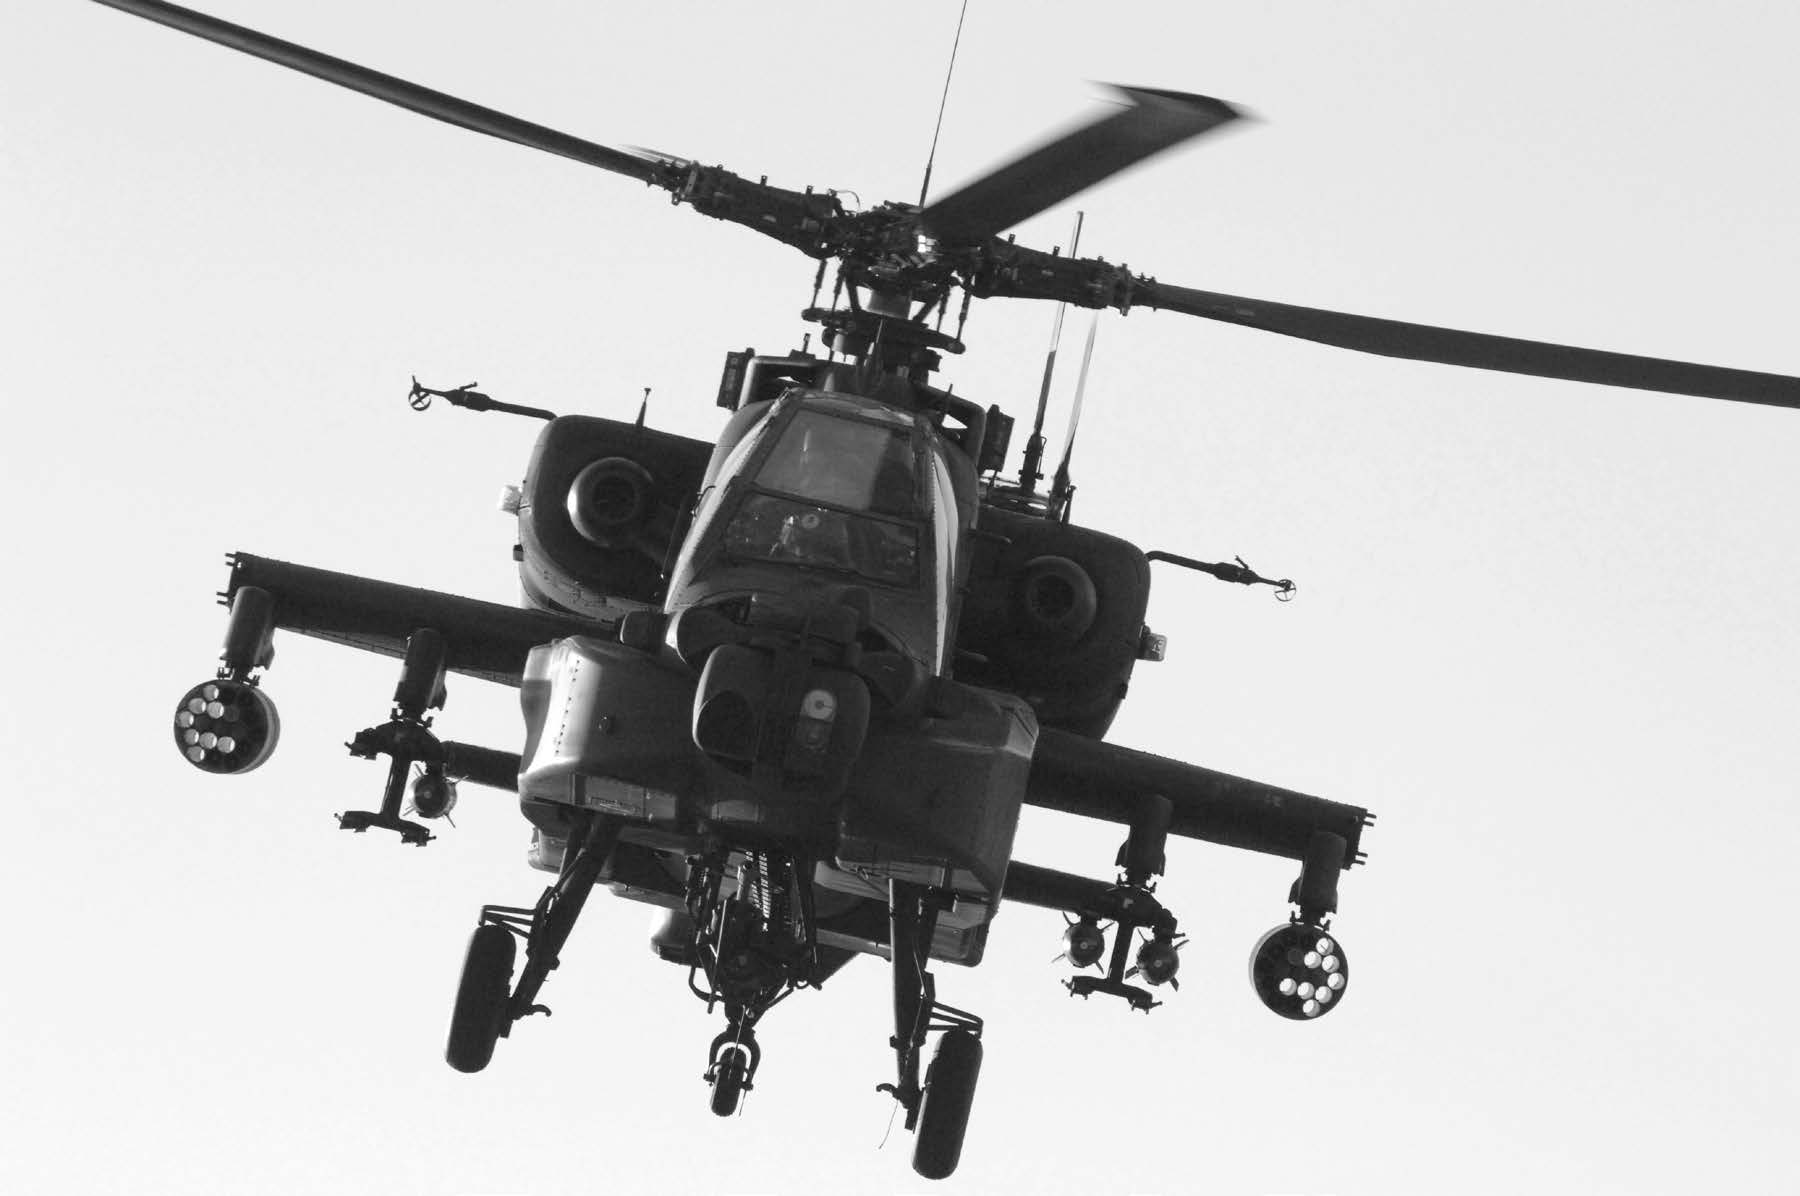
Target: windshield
{"points": [[844, 463], [835, 493], [770, 527]]}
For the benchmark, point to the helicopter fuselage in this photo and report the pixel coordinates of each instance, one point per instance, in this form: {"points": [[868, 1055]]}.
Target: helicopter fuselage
{"points": [[793, 687]]}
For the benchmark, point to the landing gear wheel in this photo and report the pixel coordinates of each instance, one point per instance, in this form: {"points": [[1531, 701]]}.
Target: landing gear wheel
{"points": [[944, 1115], [481, 998], [729, 1073]]}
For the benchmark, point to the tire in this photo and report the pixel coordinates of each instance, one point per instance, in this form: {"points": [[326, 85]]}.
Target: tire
{"points": [[944, 1116], [728, 1083], [481, 998]]}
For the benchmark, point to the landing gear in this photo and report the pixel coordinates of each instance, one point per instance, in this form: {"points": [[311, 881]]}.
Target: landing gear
{"points": [[480, 1014], [944, 1110], [937, 1111], [752, 948], [485, 1009], [729, 1077]]}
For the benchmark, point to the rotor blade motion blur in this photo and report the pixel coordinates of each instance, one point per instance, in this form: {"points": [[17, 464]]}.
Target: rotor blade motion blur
{"points": [[1151, 121], [879, 247], [1478, 350], [410, 96]]}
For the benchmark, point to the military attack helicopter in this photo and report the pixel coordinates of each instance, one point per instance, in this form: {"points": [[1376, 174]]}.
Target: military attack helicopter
{"points": [[794, 686]]}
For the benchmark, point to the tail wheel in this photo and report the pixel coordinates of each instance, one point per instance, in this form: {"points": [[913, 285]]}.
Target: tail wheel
{"points": [[944, 1115], [730, 1075], [481, 998]]}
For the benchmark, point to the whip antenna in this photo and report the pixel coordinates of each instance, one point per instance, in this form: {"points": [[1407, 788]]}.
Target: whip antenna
{"points": [[1034, 447], [943, 102], [1060, 490]]}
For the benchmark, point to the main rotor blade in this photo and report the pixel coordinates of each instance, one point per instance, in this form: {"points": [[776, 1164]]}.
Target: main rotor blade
{"points": [[411, 96], [1423, 342], [1151, 121]]}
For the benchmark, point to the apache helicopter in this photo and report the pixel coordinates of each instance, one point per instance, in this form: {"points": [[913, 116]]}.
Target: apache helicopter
{"points": [[794, 687]]}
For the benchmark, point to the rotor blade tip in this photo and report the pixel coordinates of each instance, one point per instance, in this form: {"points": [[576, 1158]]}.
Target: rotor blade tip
{"points": [[1217, 108]]}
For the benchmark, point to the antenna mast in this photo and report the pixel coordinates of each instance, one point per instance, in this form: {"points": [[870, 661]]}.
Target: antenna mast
{"points": [[943, 102], [1060, 490], [1034, 447]]}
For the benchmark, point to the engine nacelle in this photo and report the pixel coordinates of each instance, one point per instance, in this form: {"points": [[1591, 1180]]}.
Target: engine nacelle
{"points": [[599, 509], [1053, 613]]}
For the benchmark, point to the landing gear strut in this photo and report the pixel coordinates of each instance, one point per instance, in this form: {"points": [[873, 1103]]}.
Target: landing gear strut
{"points": [[487, 1004], [937, 1111]]}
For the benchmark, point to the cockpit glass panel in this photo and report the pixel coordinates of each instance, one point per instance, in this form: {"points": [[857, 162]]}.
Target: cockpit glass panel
{"points": [[847, 463], [769, 527]]}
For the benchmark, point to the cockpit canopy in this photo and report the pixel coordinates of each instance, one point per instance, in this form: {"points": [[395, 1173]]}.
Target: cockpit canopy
{"points": [[833, 490], [839, 494], [845, 459]]}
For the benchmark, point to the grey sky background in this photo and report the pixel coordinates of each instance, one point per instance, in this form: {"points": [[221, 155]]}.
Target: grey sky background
{"points": [[1545, 630]]}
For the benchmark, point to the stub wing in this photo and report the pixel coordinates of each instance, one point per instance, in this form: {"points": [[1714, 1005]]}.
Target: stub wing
{"points": [[482, 639], [1106, 781]]}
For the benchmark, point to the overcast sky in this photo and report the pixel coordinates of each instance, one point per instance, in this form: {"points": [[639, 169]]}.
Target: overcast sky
{"points": [[1545, 630]]}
